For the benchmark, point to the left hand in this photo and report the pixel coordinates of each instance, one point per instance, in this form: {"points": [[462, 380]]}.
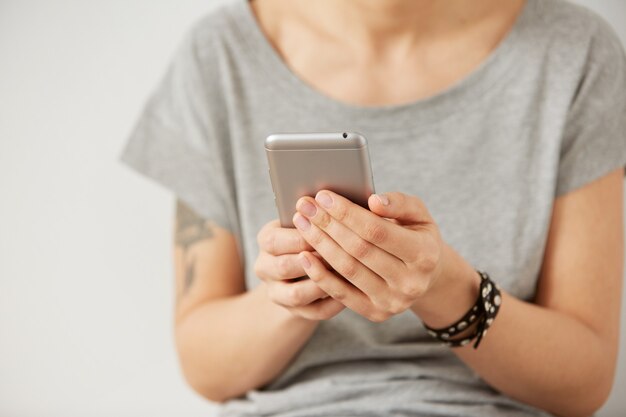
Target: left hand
{"points": [[390, 256]]}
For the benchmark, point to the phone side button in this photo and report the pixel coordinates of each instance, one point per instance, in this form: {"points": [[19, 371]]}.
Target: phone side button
{"points": [[269, 173]]}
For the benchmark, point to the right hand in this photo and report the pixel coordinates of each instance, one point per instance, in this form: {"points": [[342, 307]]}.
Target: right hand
{"points": [[277, 265]]}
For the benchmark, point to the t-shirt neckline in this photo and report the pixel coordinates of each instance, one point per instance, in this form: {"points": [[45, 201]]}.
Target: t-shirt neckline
{"points": [[464, 92]]}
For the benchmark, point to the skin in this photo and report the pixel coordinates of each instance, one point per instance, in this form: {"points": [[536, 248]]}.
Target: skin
{"points": [[423, 45], [213, 304], [277, 265], [354, 259]]}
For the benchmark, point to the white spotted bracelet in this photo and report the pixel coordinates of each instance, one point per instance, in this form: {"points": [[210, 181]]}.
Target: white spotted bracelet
{"points": [[483, 312]]}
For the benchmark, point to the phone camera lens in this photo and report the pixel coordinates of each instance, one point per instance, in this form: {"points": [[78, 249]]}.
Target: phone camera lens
{"points": [[345, 135]]}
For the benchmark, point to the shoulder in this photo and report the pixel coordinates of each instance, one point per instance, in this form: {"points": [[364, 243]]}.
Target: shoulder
{"points": [[208, 54], [218, 32], [575, 32]]}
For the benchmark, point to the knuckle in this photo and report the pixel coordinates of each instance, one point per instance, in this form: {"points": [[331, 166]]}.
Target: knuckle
{"points": [[411, 259], [391, 305], [295, 295], [339, 295], [282, 266], [427, 264], [341, 212], [361, 249], [381, 303], [324, 220], [316, 238], [428, 260], [412, 288], [298, 243], [349, 268], [427, 253], [397, 306], [376, 233], [268, 242], [378, 316]]}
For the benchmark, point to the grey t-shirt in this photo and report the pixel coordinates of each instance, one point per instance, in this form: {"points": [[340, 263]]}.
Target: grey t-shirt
{"points": [[543, 115]]}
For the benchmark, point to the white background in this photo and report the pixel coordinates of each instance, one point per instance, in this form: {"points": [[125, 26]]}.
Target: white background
{"points": [[85, 270]]}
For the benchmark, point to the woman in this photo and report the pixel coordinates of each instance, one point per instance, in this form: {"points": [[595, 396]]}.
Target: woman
{"points": [[497, 139]]}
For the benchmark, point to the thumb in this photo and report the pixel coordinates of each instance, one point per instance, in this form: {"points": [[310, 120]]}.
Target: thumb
{"points": [[402, 207]]}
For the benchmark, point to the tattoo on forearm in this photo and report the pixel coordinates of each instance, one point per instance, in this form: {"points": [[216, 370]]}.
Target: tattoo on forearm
{"points": [[190, 229], [190, 274]]}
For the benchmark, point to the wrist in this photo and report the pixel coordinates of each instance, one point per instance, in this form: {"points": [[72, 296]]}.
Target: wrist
{"points": [[452, 294]]}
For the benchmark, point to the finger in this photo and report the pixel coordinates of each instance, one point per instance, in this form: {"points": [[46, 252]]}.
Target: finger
{"points": [[382, 263], [340, 289], [326, 264], [280, 267], [277, 240], [295, 294], [322, 309], [402, 207], [395, 239], [342, 262]]}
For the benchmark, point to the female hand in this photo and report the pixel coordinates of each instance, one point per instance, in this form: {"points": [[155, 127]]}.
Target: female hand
{"points": [[381, 267], [277, 264]]}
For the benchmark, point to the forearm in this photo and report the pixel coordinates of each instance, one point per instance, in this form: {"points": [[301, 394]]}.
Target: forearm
{"points": [[231, 345], [536, 355], [544, 358]]}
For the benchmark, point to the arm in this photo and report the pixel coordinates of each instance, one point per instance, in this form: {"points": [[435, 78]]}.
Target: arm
{"points": [[228, 340], [558, 354]]}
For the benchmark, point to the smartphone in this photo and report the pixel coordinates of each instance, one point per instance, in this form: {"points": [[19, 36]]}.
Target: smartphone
{"points": [[301, 164]]}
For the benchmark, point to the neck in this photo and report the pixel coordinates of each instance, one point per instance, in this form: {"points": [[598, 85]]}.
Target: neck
{"points": [[377, 22]]}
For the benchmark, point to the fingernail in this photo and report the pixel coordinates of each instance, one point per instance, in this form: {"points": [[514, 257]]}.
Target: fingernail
{"points": [[305, 262], [324, 199], [307, 209], [383, 199], [301, 223]]}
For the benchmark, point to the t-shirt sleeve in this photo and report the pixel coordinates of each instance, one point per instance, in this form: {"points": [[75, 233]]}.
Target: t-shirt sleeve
{"points": [[594, 140], [180, 139]]}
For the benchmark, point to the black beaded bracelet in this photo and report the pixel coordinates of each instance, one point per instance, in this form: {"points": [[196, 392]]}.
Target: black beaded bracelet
{"points": [[483, 312]]}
